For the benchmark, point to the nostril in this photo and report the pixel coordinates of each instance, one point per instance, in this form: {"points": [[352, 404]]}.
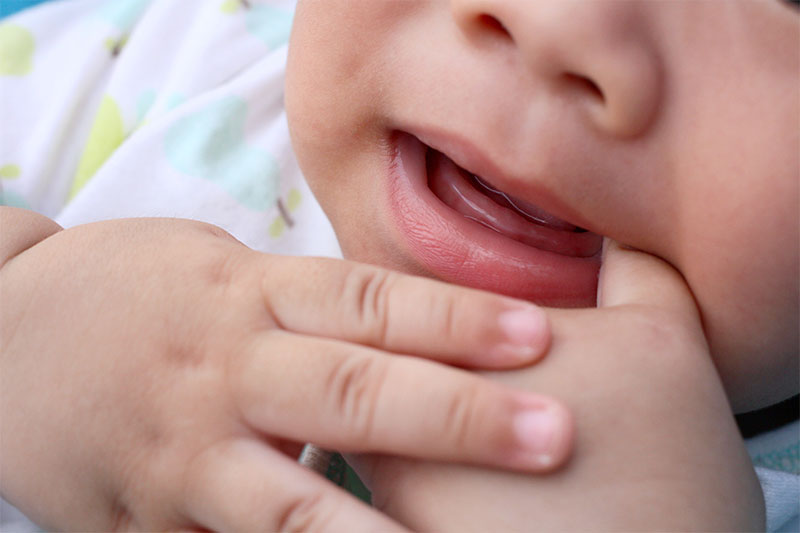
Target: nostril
{"points": [[584, 84], [491, 23]]}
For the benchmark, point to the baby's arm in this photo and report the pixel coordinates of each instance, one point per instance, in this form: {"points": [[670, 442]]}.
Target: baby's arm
{"points": [[156, 374], [657, 447]]}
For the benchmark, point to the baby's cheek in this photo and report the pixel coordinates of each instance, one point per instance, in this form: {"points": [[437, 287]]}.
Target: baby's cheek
{"points": [[748, 301]]}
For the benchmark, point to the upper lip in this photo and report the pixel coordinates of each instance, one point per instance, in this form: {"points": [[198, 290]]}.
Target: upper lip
{"points": [[468, 156]]}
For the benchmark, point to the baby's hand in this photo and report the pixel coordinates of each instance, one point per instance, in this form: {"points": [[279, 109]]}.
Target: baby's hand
{"points": [[650, 414], [157, 374]]}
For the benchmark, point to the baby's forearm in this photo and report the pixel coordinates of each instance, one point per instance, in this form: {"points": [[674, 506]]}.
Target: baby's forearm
{"points": [[20, 229], [657, 449]]}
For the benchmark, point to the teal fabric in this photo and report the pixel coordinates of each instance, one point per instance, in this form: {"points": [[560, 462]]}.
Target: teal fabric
{"points": [[7, 7]]}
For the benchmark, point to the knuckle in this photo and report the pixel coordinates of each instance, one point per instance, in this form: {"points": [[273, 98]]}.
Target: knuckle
{"points": [[223, 269], [369, 290], [306, 512], [354, 386], [450, 319], [121, 517], [461, 415], [183, 348], [440, 308], [214, 231]]}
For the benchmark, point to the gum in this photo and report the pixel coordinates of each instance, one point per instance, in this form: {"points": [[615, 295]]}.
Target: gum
{"points": [[476, 200]]}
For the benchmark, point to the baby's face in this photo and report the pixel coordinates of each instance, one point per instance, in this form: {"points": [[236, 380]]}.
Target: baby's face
{"points": [[669, 126]]}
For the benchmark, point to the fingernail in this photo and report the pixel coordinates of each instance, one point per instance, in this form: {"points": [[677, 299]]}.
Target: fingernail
{"points": [[537, 430], [526, 333]]}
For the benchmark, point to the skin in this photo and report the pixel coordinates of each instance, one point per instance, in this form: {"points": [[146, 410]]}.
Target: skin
{"points": [[664, 148], [629, 119], [667, 457], [156, 374], [182, 435]]}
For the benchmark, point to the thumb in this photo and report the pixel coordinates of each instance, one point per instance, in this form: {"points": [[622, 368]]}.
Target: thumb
{"points": [[630, 276]]}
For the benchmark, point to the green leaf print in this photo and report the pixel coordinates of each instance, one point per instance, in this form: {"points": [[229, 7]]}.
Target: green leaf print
{"points": [[16, 50], [115, 46], [107, 134], [230, 6], [211, 144], [270, 24], [9, 172], [124, 13], [12, 199], [285, 219]]}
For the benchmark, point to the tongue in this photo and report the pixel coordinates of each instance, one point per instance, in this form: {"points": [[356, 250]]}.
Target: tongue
{"points": [[513, 218]]}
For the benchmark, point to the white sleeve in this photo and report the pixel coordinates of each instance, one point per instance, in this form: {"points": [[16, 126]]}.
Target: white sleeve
{"points": [[127, 108]]}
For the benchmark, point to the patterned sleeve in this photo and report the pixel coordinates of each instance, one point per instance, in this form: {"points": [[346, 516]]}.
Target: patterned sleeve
{"points": [[55, 60], [130, 108]]}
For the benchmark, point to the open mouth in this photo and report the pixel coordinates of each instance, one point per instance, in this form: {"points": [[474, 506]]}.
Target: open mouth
{"points": [[457, 225], [514, 218]]}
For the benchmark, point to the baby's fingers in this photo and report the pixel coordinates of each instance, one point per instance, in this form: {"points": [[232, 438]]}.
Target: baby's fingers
{"points": [[371, 306], [243, 485], [356, 399], [633, 277]]}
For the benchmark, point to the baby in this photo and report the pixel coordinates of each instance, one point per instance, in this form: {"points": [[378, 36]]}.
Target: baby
{"points": [[157, 374], [491, 143]]}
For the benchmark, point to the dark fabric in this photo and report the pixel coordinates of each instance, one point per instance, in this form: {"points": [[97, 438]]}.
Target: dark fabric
{"points": [[341, 474], [773, 417]]}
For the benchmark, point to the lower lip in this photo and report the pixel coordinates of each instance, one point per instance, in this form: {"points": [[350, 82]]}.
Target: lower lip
{"points": [[456, 249]]}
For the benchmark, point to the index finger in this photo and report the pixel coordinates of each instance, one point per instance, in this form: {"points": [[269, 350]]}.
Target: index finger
{"points": [[404, 314]]}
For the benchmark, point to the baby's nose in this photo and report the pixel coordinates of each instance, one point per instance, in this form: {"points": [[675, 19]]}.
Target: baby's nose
{"points": [[596, 53]]}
